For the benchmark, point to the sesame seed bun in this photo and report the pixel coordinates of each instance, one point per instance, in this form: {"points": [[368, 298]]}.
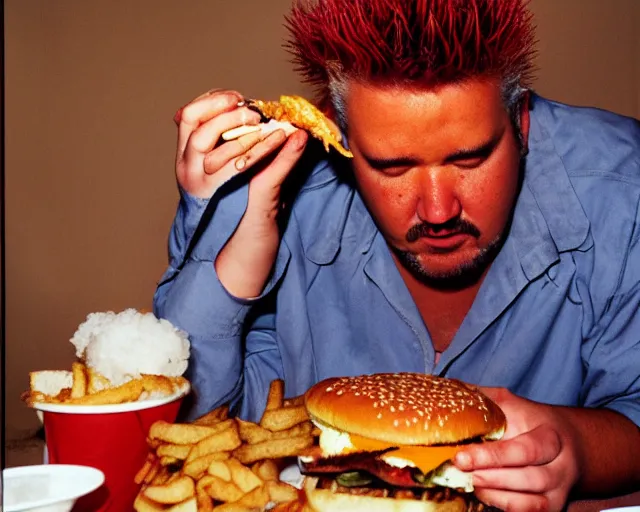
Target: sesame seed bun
{"points": [[405, 408]]}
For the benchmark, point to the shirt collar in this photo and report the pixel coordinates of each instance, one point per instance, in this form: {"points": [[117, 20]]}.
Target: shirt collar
{"points": [[548, 218]]}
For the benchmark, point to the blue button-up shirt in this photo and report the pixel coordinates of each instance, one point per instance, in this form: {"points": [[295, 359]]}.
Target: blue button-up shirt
{"points": [[556, 319]]}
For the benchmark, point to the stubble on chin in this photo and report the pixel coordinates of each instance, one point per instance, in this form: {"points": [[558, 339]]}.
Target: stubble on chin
{"points": [[461, 276]]}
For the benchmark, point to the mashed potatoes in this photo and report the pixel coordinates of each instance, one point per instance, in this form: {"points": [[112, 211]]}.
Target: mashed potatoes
{"points": [[122, 346]]}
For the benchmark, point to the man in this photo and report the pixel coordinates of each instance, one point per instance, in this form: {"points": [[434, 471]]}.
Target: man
{"points": [[480, 232]]}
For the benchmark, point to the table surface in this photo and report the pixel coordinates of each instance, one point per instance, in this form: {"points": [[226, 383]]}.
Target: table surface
{"points": [[30, 451]]}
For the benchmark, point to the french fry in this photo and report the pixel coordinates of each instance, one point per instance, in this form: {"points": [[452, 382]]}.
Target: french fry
{"points": [[298, 505], [266, 469], [179, 490], [222, 464], [144, 470], [157, 384], [220, 469], [180, 433], [205, 502], [190, 505], [211, 418], [301, 429], [293, 401], [79, 387], [234, 507], [153, 472], [272, 449], [153, 443], [251, 432], [179, 451], [242, 476], [127, 392], [283, 419], [197, 467], [257, 498], [167, 460], [96, 381], [224, 441], [144, 504], [275, 396], [280, 492], [220, 490], [173, 476], [162, 476]]}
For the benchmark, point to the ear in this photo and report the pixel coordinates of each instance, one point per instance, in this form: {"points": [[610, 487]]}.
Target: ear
{"points": [[525, 120]]}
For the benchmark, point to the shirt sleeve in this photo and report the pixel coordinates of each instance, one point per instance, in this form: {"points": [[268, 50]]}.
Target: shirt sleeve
{"points": [[192, 298], [612, 355]]}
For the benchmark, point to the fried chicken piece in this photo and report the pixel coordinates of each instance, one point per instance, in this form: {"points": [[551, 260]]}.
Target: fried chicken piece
{"points": [[302, 114]]}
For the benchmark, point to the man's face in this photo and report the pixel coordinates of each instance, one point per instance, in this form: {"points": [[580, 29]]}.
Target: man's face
{"points": [[439, 172]]}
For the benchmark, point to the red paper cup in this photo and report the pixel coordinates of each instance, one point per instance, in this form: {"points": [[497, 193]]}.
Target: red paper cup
{"points": [[111, 438]]}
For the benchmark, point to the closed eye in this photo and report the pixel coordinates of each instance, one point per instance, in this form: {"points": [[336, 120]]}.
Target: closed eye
{"points": [[391, 166], [473, 157]]}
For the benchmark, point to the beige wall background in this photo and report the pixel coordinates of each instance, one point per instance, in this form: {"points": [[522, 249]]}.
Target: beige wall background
{"points": [[91, 89]]}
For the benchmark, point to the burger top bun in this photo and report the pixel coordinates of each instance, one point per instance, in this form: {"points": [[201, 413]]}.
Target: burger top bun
{"points": [[405, 408]]}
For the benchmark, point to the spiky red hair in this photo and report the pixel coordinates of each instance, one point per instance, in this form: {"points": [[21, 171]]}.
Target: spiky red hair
{"points": [[417, 41]]}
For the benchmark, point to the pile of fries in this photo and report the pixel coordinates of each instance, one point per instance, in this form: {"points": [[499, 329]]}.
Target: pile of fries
{"points": [[226, 464], [84, 386]]}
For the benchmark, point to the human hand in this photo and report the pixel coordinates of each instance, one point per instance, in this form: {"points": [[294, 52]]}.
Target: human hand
{"points": [[203, 164], [533, 467]]}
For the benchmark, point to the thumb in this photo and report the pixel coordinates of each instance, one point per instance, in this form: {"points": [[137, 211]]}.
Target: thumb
{"points": [[496, 394], [287, 157]]}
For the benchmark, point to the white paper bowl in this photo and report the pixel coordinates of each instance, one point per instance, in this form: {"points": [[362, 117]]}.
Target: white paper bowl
{"points": [[47, 488]]}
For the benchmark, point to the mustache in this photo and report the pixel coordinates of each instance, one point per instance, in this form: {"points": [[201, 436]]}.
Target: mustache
{"points": [[457, 226]]}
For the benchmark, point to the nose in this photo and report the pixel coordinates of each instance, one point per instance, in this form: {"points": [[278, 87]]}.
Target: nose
{"points": [[438, 201]]}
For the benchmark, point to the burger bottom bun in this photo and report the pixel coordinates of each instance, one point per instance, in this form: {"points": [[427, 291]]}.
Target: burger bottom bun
{"points": [[323, 500]]}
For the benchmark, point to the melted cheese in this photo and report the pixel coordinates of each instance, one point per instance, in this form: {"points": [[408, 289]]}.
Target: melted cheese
{"points": [[425, 458]]}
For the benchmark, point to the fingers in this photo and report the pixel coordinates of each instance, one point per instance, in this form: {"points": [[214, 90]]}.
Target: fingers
{"points": [[206, 136], [496, 394], [510, 501], [284, 160], [539, 446], [222, 155], [203, 109], [531, 479]]}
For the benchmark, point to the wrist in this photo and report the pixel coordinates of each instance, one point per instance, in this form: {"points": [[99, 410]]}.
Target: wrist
{"points": [[246, 261]]}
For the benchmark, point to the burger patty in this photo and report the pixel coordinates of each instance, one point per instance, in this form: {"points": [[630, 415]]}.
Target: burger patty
{"points": [[363, 461]]}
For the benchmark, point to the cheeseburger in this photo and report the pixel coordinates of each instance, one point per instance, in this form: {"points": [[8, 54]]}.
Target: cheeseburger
{"points": [[387, 441]]}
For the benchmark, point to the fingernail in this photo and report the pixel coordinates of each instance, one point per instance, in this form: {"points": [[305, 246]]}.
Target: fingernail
{"points": [[241, 163], [299, 141], [178, 116], [463, 460], [249, 117]]}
